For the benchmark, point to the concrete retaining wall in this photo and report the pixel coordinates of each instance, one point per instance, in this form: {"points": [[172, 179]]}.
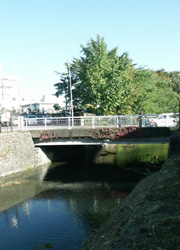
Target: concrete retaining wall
{"points": [[18, 153]]}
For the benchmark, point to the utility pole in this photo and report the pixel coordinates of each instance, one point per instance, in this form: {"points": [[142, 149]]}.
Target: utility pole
{"points": [[70, 86]]}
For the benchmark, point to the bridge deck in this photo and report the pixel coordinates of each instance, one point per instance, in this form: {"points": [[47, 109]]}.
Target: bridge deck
{"points": [[96, 137], [65, 142]]}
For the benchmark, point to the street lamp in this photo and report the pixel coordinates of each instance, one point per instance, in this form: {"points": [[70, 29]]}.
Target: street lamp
{"points": [[70, 85]]}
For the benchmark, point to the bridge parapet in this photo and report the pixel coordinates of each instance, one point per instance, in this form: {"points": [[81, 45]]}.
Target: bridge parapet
{"points": [[99, 135]]}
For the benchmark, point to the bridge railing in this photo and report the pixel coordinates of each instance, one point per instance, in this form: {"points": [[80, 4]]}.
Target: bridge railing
{"points": [[80, 121]]}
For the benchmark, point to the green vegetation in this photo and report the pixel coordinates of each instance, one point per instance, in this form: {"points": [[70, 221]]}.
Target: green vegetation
{"points": [[108, 84], [56, 106], [4, 152], [43, 246]]}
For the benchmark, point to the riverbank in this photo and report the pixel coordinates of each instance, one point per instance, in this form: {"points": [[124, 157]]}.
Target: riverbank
{"points": [[18, 153], [148, 219]]}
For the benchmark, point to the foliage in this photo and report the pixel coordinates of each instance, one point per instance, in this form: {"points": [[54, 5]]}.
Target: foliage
{"points": [[47, 136], [172, 77], [56, 106], [35, 111], [152, 93], [43, 246], [103, 77], [109, 84], [116, 133], [175, 80], [63, 86]]}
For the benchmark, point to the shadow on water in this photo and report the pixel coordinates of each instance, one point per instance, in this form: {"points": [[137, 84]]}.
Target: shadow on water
{"points": [[118, 163], [78, 172]]}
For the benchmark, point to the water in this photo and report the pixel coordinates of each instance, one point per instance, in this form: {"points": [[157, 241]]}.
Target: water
{"points": [[62, 204], [56, 211], [50, 217]]}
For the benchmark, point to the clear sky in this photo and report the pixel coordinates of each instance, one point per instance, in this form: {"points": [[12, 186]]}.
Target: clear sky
{"points": [[37, 37]]}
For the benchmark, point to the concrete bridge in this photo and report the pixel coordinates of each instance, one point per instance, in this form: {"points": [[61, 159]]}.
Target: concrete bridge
{"points": [[84, 136]]}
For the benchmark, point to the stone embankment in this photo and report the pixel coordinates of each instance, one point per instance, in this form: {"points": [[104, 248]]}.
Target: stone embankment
{"points": [[18, 153], [149, 218]]}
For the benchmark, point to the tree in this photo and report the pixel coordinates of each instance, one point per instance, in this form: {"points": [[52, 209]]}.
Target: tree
{"points": [[153, 92], [56, 106], [103, 77], [175, 81], [63, 87], [109, 84]]}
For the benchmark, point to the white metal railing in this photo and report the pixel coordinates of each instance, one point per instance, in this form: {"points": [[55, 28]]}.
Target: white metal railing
{"points": [[44, 123], [34, 123], [79, 121]]}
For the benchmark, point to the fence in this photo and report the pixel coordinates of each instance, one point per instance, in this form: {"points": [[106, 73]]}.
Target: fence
{"points": [[80, 121], [34, 123]]}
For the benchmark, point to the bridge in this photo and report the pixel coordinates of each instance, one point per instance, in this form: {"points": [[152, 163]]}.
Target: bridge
{"points": [[84, 136], [92, 130]]}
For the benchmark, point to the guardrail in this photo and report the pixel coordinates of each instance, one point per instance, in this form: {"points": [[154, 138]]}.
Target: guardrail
{"points": [[33, 123], [80, 121], [21, 123]]}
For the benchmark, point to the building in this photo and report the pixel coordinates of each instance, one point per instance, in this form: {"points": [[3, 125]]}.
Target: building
{"points": [[10, 94], [11, 98], [39, 106]]}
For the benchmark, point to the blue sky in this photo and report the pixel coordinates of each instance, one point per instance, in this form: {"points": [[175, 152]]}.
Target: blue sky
{"points": [[39, 36]]}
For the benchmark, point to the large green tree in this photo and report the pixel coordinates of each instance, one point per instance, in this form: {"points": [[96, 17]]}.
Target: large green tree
{"points": [[103, 77]]}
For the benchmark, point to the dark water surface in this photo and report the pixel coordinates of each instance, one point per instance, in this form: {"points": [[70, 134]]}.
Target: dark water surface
{"points": [[61, 204], [62, 214]]}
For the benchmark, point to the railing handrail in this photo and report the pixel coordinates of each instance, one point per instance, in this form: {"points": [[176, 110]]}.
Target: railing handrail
{"points": [[43, 123], [85, 121], [98, 116]]}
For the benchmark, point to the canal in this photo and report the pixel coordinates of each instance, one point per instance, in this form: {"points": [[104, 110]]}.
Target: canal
{"points": [[63, 203]]}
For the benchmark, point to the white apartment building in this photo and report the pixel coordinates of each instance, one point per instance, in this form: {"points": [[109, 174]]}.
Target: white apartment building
{"points": [[10, 94], [11, 97]]}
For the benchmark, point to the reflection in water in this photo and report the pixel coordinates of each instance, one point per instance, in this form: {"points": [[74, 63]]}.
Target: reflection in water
{"points": [[60, 214], [150, 154], [14, 221], [133, 155], [27, 208], [63, 209]]}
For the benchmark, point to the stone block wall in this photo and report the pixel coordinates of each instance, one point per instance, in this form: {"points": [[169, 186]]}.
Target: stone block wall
{"points": [[18, 153]]}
